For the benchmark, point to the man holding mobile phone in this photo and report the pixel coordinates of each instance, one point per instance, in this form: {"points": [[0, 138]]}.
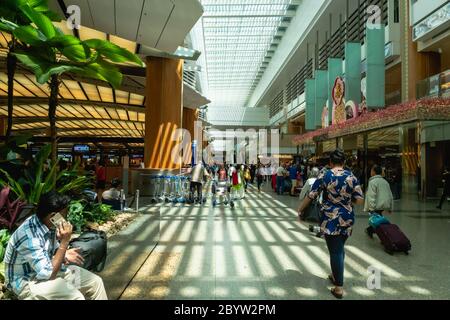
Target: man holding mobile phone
{"points": [[38, 263]]}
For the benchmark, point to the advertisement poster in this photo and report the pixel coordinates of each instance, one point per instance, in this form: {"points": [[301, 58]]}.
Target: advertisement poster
{"points": [[339, 114]]}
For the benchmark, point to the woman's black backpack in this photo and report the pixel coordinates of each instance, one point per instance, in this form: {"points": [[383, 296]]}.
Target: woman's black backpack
{"points": [[93, 248]]}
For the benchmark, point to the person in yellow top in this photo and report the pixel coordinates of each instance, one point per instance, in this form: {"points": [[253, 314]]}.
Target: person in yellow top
{"points": [[247, 177]]}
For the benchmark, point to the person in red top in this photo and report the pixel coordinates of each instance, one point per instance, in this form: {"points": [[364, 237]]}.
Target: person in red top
{"points": [[100, 174]]}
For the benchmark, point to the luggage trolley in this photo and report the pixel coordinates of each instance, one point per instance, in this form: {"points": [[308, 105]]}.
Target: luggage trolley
{"points": [[165, 189], [180, 193], [221, 188]]}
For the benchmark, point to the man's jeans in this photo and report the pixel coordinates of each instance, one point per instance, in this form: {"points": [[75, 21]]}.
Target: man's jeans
{"points": [[280, 184], [196, 187], [335, 246]]}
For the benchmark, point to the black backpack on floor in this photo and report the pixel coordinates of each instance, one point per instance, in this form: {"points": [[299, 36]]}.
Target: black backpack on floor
{"points": [[93, 245]]}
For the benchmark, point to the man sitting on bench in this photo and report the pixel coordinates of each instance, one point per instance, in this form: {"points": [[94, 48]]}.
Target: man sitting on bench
{"points": [[38, 263], [112, 195]]}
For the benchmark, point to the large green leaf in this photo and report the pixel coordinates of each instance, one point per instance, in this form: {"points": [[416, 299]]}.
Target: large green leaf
{"points": [[11, 10], [104, 71], [42, 22], [15, 186], [29, 35], [49, 182], [113, 52], [44, 69], [42, 7], [71, 47], [7, 26]]}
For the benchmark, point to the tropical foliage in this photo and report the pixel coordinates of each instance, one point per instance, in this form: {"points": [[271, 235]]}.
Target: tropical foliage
{"points": [[38, 178], [81, 212], [9, 210]]}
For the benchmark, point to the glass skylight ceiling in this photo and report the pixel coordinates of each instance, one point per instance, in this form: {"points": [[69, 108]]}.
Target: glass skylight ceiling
{"points": [[238, 39]]}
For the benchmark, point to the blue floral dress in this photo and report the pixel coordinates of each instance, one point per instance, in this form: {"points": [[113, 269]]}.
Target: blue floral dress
{"points": [[340, 187]]}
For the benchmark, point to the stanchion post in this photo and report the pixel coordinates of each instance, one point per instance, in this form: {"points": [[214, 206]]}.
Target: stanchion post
{"points": [[137, 200]]}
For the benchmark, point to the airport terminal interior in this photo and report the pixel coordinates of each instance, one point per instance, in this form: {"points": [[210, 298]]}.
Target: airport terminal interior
{"points": [[206, 141]]}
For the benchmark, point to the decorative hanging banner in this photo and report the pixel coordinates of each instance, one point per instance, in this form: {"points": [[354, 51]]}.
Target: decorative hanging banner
{"points": [[338, 101]]}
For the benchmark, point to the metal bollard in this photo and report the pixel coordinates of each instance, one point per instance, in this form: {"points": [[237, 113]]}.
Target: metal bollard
{"points": [[123, 200], [121, 197], [137, 200]]}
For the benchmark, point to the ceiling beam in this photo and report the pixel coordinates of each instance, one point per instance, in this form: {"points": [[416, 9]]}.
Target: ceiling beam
{"points": [[86, 139], [44, 129], [44, 101], [33, 119]]}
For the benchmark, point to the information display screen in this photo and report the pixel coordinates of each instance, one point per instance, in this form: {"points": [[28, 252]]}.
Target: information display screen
{"points": [[81, 148]]}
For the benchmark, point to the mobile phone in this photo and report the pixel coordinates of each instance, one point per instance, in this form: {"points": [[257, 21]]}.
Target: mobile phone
{"points": [[57, 220]]}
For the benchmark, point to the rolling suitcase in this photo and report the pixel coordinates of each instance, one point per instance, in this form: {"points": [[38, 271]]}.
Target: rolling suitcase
{"points": [[393, 239]]}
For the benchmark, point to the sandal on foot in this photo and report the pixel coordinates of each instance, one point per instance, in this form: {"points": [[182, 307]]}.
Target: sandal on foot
{"points": [[336, 295]]}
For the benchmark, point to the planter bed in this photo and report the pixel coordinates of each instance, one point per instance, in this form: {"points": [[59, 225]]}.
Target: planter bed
{"points": [[119, 222]]}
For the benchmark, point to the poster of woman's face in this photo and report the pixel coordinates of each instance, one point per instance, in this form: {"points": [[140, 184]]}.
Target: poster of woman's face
{"points": [[350, 110]]}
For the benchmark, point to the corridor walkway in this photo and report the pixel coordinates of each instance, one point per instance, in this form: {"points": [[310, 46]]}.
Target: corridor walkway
{"points": [[259, 250]]}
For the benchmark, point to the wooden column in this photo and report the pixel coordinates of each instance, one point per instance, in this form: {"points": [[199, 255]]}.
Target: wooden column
{"points": [[189, 118], [3, 125], [163, 112]]}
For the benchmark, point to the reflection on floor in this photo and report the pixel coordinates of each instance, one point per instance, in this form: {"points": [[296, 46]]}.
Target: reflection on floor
{"points": [[259, 250]]}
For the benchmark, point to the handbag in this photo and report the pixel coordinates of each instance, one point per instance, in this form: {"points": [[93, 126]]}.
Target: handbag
{"points": [[93, 248], [313, 212], [376, 220]]}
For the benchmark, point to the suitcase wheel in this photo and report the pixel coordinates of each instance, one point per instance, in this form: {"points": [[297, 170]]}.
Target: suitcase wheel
{"points": [[389, 252], [407, 252]]}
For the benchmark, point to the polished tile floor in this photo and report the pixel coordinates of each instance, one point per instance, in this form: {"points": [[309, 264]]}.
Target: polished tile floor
{"points": [[259, 250]]}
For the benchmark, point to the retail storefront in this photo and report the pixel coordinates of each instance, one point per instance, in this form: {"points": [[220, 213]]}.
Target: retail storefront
{"points": [[411, 141]]}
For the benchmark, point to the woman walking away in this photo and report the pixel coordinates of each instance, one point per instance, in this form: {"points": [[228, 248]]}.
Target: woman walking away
{"points": [[340, 190]]}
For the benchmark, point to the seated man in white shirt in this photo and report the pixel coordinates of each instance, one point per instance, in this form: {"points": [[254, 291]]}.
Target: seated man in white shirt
{"points": [[113, 193], [37, 256]]}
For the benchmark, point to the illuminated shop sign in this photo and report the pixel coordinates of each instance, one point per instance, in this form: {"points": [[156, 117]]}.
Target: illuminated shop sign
{"points": [[432, 22], [81, 148]]}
